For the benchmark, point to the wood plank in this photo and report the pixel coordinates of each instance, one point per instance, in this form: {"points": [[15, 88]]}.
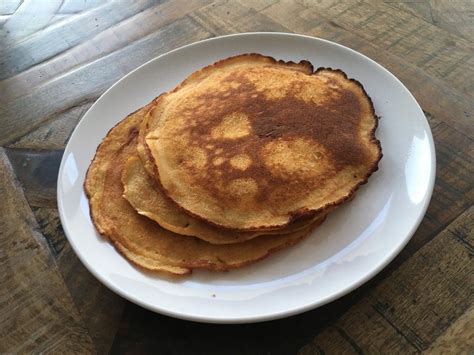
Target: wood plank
{"points": [[434, 95], [458, 338], [441, 54], [421, 9], [8, 7], [361, 330], [86, 83], [100, 308], [37, 171], [344, 345], [142, 331], [224, 17], [55, 39], [31, 16], [77, 6], [4, 18], [419, 300], [454, 16], [59, 17], [256, 5], [51, 228], [105, 42], [38, 314], [55, 133]]}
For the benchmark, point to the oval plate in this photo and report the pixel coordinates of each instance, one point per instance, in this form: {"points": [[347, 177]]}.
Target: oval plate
{"points": [[354, 243]]}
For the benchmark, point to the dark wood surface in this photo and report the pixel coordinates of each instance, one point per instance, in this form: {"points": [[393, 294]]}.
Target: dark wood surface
{"points": [[57, 57]]}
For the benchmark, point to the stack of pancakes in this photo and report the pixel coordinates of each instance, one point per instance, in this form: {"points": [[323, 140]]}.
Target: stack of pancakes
{"points": [[245, 157]]}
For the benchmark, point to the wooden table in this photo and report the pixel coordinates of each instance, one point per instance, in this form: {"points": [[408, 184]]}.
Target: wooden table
{"points": [[57, 57]]}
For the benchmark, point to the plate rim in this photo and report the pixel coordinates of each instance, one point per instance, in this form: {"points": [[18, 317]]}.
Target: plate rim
{"points": [[275, 315]]}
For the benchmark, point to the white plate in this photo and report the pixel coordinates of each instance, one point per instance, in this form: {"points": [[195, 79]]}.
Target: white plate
{"points": [[354, 243]]}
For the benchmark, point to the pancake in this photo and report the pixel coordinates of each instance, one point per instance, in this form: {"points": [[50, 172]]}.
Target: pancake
{"points": [[147, 199], [142, 241], [251, 143]]}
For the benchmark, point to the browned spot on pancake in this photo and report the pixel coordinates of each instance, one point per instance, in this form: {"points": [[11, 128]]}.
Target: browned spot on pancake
{"points": [[250, 123], [240, 161], [246, 187], [218, 161], [233, 125], [296, 158]]}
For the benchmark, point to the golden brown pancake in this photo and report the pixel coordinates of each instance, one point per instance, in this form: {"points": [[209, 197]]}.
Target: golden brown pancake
{"points": [[141, 240], [148, 200], [250, 143]]}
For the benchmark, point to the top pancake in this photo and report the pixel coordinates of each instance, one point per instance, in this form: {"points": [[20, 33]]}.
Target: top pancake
{"points": [[251, 143]]}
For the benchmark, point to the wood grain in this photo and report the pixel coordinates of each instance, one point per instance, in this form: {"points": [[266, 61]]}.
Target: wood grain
{"points": [[28, 18], [56, 39], [421, 9], [454, 16], [38, 313], [37, 171], [100, 308], [350, 333], [8, 7], [51, 229], [88, 82], [225, 17], [53, 133], [104, 42], [458, 338], [77, 6], [58, 57]]}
